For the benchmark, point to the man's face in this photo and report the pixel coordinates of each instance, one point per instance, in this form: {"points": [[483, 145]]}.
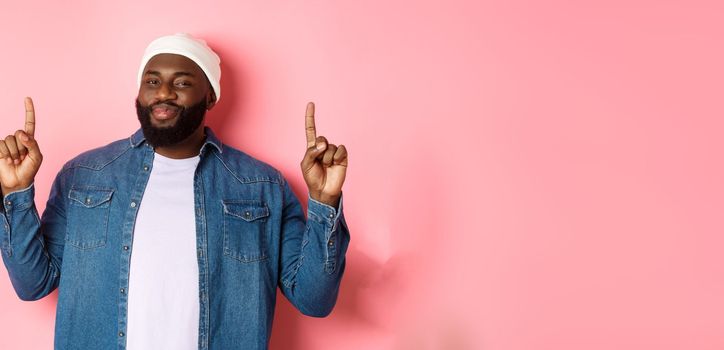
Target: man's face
{"points": [[172, 99]]}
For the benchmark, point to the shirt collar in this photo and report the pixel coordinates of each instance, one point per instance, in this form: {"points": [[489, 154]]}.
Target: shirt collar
{"points": [[138, 139]]}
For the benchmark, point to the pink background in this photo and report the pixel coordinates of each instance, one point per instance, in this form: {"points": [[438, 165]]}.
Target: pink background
{"points": [[523, 174]]}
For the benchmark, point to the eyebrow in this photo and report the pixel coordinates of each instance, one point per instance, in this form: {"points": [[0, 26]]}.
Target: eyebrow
{"points": [[154, 72]]}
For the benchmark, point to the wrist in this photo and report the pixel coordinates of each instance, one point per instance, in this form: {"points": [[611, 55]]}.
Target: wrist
{"points": [[8, 190], [332, 201]]}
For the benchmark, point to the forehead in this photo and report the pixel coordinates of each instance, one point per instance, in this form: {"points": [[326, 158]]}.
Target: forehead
{"points": [[172, 63]]}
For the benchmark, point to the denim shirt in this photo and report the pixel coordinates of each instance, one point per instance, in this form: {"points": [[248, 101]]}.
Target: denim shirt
{"points": [[251, 237]]}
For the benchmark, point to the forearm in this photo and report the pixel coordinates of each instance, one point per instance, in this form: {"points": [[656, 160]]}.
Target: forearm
{"points": [[33, 273], [312, 285]]}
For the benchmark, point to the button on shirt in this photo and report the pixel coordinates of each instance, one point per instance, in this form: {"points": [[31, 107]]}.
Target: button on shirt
{"points": [[252, 237]]}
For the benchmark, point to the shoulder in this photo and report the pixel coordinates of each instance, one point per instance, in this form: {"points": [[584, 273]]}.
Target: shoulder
{"points": [[245, 168], [98, 158]]}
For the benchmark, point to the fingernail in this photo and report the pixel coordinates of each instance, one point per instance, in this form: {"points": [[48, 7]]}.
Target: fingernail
{"points": [[24, 137], [320, 146]]}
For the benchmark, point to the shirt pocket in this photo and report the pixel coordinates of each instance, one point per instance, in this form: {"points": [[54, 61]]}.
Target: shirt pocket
{"points": [[245, 230], [87, 216]]}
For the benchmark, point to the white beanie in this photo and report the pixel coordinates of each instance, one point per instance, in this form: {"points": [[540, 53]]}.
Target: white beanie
{"points": [[190, 47]]}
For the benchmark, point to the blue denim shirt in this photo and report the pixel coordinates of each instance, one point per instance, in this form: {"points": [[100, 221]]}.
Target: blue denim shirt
{"points": [[251, 237]]}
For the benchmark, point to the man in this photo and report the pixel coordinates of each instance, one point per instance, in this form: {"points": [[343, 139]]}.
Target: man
{"points": [[170, 239]]}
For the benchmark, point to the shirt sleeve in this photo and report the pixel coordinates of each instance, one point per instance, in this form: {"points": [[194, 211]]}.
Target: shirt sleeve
{"points": [[313, 254], [32, 248]]}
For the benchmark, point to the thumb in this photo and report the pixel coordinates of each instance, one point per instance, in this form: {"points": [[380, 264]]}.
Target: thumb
{"points": [[32, 145], [312, 154]]}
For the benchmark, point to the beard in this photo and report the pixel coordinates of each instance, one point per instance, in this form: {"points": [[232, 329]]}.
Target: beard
{"points": [[189, 119]]}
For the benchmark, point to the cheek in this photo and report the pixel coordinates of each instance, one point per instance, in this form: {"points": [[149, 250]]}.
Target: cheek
{"points": [[145, 96], [190, 97]]}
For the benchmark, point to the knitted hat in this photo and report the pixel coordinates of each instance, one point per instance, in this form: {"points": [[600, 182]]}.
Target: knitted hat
{"points": [[190, 47]]}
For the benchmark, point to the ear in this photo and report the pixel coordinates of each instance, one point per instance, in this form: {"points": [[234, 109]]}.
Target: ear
{"points": [[210, 100]]}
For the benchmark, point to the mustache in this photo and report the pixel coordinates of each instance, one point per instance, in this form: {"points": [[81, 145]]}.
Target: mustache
{"points": [[167, 104]]}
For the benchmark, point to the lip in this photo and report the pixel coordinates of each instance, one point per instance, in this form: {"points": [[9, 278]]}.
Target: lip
{"points": [[164, 112]]}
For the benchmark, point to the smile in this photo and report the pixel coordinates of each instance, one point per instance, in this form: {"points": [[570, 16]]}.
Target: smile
{"points": [[164, 112]]}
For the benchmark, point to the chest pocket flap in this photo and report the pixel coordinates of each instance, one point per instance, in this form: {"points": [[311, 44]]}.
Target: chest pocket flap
{"points": [[246, 211], [91, 197]]}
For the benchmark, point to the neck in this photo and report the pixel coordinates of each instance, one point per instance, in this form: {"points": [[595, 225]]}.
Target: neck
{"points": [[189, 147]]}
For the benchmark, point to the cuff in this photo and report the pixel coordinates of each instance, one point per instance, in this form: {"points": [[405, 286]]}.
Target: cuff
{"points": [[325, 213], [20, 199]]}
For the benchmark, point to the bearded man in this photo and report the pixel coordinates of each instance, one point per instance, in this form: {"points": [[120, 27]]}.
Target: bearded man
{"points": [[171, 239]]}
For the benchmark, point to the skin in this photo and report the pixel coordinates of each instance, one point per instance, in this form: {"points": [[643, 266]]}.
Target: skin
{"points": [[324, 165], [177, 79], [20, 156]]}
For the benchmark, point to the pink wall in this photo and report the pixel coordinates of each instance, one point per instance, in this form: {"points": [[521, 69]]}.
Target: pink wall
{"points": [[523, 174]]}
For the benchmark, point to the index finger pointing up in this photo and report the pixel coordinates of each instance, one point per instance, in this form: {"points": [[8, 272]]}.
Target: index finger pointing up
{"points": [[310, 127], [29, 117]]}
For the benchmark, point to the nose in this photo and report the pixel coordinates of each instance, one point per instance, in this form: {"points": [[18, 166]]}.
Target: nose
{"points": [[165, 93]]}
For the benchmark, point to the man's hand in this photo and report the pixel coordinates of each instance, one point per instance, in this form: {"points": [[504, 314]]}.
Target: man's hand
{"points": [[20, 156], [324, 165]]}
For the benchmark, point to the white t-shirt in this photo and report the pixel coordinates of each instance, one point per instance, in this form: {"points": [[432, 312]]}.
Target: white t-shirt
{"points": [[163, 287]]}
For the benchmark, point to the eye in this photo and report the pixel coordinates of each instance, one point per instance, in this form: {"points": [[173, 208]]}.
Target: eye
{"points": [[183, 83], [151, 81]]}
